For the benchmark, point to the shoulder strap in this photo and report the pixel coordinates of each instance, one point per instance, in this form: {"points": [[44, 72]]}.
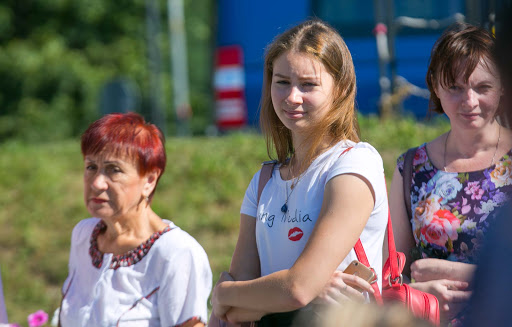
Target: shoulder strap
{"points": [[265, 175], [393, 259], [407, 177], [361, 256]]}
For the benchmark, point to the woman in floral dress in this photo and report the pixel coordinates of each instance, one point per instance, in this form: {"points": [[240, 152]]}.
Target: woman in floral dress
{"points": [[459, 178]]}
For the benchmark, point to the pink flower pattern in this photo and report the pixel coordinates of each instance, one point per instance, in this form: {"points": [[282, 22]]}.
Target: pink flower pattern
{"points": [[474, 190]]}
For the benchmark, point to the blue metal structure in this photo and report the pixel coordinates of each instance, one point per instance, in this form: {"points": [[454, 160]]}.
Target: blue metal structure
{"points": [[253, 24]]}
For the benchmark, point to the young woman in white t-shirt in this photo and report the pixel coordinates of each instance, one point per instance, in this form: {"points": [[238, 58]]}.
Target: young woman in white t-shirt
{"points": [[295, 242]]}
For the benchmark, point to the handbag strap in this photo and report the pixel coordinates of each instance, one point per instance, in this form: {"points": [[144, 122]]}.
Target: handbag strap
{"points": [[393, 258], [407, 178], [361, 256], [265, 175]]}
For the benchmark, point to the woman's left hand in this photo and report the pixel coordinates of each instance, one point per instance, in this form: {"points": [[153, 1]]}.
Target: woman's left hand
{"points": [[425, 270], [342, 287], [220, 310], [453, 296]]}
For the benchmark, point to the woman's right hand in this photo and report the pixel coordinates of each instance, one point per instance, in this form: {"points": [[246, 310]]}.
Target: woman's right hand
{"points": [[341, 287], [219, 310], [452, 295]]}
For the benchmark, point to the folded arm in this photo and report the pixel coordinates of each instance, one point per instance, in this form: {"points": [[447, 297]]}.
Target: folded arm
{"points": [[347, 205]]}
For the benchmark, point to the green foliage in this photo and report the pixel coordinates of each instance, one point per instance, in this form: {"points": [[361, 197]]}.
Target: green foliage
{"points": [[393, 137], [201, 191], [55, 56]]}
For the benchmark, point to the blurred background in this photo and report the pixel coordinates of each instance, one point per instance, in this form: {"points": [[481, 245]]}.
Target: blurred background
{"points": [[194, 68]]}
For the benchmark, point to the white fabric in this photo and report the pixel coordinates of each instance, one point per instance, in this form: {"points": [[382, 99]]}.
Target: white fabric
{"points": [[101, 297], [3, 312], [278, 235]]}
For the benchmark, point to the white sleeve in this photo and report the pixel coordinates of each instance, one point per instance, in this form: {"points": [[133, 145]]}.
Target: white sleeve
{"points": [[250, 203], [79, 237], [72, 256], [188, 282], [363, 160]]}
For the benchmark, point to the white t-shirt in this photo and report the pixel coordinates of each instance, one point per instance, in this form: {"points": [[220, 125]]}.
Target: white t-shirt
{"points": [[280, 237], [167, 287]]}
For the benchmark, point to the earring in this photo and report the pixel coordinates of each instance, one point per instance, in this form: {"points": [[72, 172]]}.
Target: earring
{"points": [[146, 198]]}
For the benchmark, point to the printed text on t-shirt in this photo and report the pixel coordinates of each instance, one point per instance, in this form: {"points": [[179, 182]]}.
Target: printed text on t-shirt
{"points": [[297, 217]]}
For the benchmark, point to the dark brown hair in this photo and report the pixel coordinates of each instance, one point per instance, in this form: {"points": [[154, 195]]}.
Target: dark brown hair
{"points": [[322, 43], [457, 52]]}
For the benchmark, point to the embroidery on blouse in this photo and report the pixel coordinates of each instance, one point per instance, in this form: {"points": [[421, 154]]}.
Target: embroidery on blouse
{"points": [[122, 260]]}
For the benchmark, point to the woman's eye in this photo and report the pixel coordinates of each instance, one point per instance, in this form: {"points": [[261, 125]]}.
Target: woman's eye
{"points": [[90, 167], [115, 169], [310, 84], [484, 88], [454, 88], [282, 82]]}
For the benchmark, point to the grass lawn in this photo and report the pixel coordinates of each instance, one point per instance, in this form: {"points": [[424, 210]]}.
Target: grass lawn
{"points": [[201, 191]]}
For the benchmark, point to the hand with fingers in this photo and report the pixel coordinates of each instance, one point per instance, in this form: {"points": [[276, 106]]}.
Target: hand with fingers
{"points": [[448, 281], [342, 287], [218, 309], [453, 295]]}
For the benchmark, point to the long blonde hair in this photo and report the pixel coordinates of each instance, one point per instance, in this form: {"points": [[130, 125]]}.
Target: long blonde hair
{"points": [[321, 42]]}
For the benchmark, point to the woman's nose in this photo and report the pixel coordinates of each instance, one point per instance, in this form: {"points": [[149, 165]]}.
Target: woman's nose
{"points": [[98, 182], [295, 96], [470, 98]]}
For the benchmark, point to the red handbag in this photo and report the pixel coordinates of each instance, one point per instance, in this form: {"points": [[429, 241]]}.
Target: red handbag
{"points": [[420, 304]]}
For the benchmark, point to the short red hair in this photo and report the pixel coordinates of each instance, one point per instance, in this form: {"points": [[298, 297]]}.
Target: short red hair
{"points": [[127, 135]]}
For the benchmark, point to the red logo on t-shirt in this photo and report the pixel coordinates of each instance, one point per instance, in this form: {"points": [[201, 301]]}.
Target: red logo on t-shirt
{"points": [[295, 234]]}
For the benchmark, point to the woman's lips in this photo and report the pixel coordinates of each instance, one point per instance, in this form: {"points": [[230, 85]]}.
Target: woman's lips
{"points": [[470, 116], [98, 200], [294, 114]]}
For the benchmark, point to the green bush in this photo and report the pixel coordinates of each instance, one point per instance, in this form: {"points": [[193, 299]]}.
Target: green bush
{"points": [[55, 57]]}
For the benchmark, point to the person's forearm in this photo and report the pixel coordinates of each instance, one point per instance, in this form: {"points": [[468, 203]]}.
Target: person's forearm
{"points": [[424, 270], [278, 292], [464, 271]]}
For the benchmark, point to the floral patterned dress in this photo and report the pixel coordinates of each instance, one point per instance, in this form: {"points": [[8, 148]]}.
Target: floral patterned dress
{"points": [[451, 212]]}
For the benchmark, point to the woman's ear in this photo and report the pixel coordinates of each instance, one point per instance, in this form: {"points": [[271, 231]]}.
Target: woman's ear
{"points": [[150, 182]]}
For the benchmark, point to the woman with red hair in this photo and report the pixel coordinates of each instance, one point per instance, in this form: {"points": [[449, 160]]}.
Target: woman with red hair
{"points": [[127, 266]]}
